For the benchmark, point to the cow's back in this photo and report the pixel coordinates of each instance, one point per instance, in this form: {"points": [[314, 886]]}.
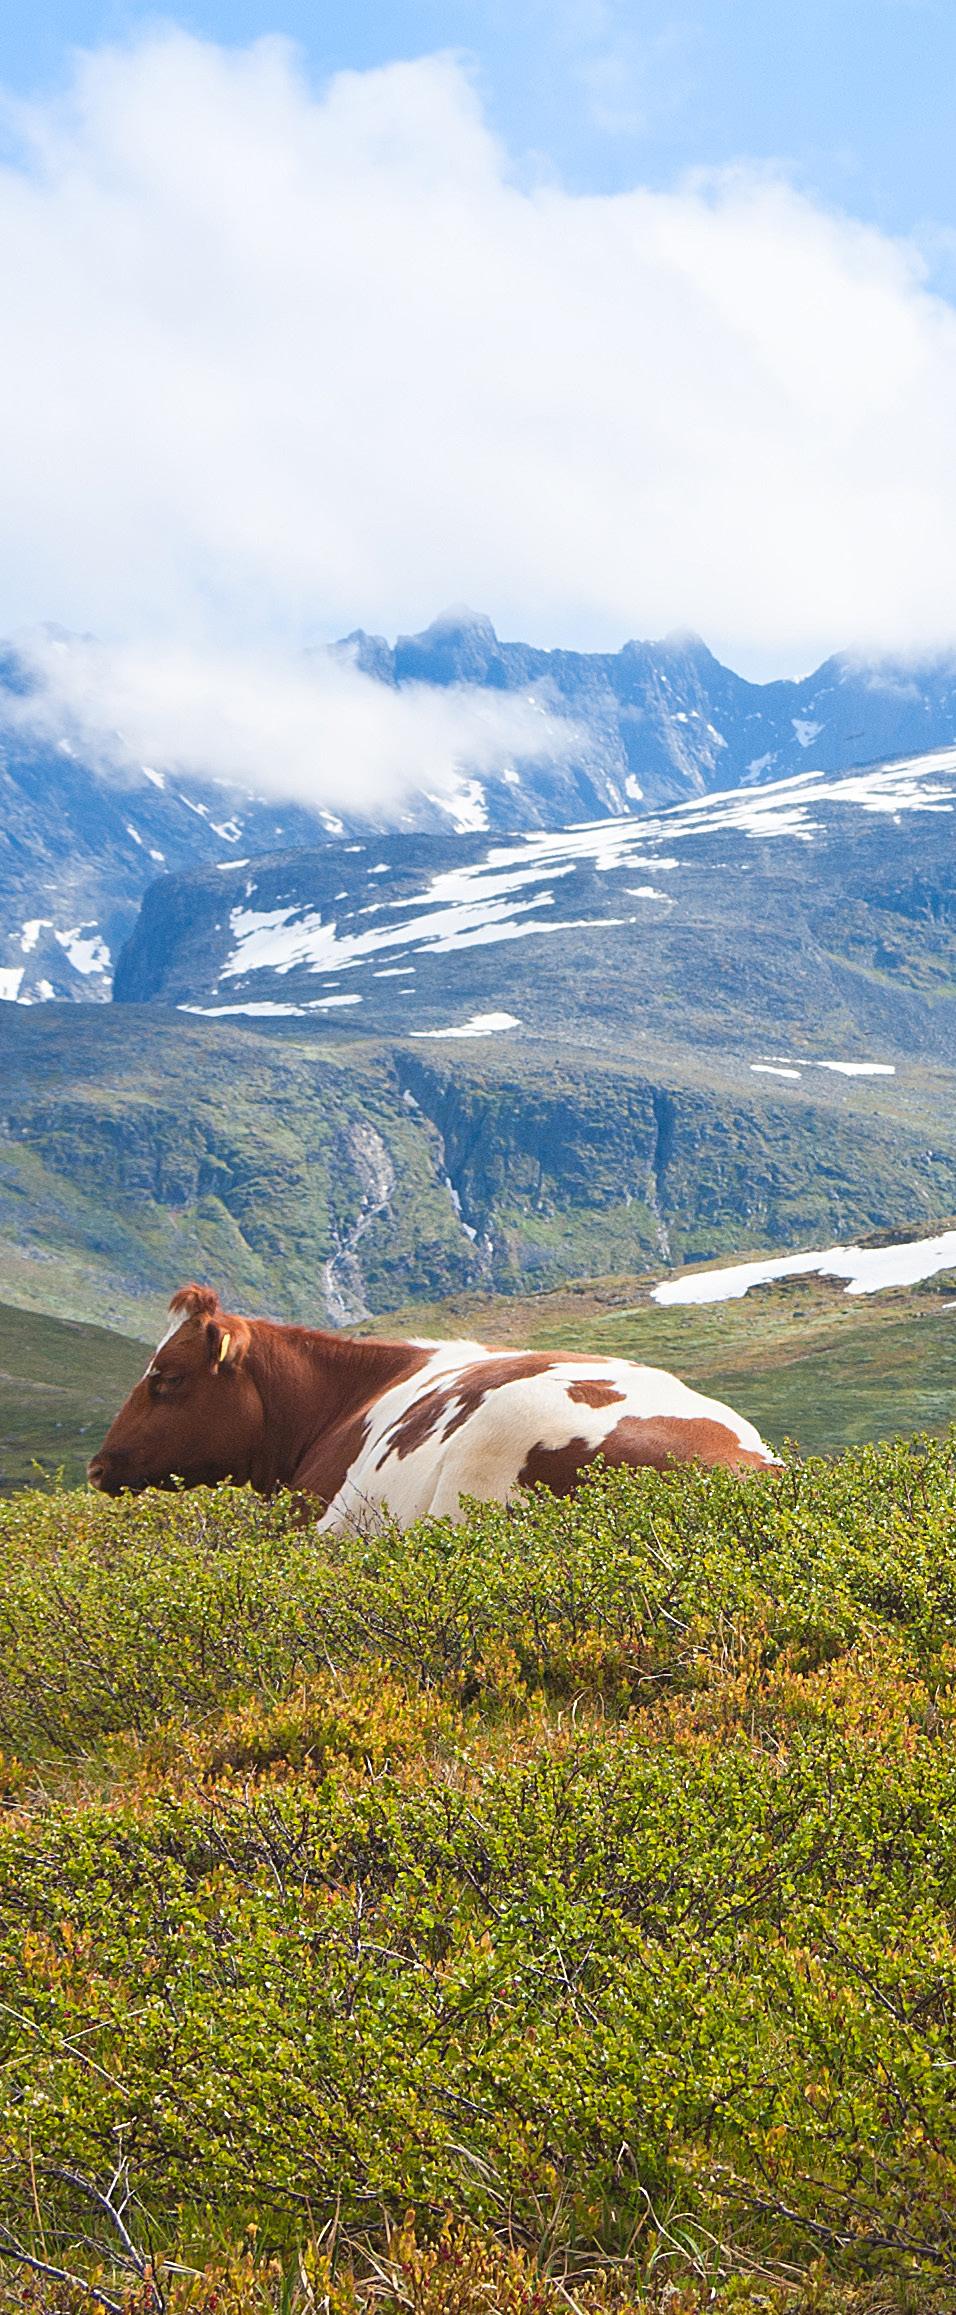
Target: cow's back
{"points": [[485, 1423]]}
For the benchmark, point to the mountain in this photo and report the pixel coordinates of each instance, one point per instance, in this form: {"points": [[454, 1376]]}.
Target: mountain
{"points": [[78, 850], [665, 721], [807, 925], [342, 1079], [655, 724]]}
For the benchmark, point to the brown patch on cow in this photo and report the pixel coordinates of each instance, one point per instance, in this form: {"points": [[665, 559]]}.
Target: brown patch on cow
{"points": [[660, 1443], [324, 1470], [465, 1392], [664, 1440], [377, 1367], [594, 1394], [559, 1468], [415, 1425]]}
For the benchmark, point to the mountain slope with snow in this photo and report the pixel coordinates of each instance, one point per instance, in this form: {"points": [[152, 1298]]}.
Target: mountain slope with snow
{"points": [[810, 923], [656, 724]]}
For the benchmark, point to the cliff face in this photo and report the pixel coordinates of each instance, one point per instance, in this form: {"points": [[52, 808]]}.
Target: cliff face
{"points": [[579, 1170], [321, 1180]]}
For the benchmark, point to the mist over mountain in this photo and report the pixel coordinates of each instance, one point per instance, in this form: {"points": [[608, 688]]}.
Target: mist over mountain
{"points": [[666, 720], [654, 724]]}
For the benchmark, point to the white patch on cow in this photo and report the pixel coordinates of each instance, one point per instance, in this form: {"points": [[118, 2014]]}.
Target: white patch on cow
{"points": [[173, 1328]]}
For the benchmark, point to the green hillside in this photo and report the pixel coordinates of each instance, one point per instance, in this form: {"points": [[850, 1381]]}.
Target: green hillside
{"points": [[313, 1174], [550, 1913], [60, 1386]]}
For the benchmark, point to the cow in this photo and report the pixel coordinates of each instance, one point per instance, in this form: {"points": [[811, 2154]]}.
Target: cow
{"points": [[372, 1431]]}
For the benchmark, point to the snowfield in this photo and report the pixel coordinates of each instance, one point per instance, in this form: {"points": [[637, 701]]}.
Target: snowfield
{"points": [[510, 893], [480, 1025], [866, 1270]]}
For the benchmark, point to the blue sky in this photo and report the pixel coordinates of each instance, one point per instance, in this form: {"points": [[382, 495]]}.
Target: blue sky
{"points": [[854, 98]]}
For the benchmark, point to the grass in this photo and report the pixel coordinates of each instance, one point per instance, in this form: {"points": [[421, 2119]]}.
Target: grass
{"points": [[550, 1912], [60, 1386]]}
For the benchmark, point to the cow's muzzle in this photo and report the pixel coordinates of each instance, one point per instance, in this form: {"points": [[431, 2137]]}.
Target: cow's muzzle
{"points": [[108, 1472]]}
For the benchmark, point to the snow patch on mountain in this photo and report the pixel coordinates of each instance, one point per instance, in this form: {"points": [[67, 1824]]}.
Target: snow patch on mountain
{"points": [[866, 1270], [480, 1025], [269, 1007], [466, 806], [31, 930], [86, 950], [793, 1065]]}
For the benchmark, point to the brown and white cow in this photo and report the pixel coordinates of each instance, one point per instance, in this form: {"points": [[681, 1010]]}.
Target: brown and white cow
{"points": [[374, 1430]]}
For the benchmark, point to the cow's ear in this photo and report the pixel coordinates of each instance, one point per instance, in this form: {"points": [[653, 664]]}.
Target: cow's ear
{"points": [[194, 1302], [227, 1341]]}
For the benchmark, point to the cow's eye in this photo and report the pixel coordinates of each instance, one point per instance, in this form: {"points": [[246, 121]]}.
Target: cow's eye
{"points": [[163, 1383]]}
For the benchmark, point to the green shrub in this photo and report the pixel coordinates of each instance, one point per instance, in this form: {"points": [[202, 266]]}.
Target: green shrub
{"points": [[559, 1903]]}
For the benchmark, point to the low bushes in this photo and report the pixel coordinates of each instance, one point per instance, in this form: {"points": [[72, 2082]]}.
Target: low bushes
{"points": [[557, 1910]]}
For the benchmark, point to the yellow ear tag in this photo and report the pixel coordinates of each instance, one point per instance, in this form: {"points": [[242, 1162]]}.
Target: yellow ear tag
{"points": [[224, 1347]]}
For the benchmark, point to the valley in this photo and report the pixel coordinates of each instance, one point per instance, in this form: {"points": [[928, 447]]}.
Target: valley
{"points": [[321, 1176], [60, 1386]]}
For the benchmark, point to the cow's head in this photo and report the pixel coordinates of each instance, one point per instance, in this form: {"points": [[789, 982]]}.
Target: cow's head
{"points": [[196, 1415]]}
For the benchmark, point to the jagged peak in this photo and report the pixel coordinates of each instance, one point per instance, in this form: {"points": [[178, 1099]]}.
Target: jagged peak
{"points": [[458, 619], [684, 643]]}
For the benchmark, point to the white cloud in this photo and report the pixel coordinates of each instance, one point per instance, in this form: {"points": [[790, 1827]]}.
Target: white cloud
{"points": [[313, 728], [280, 362]]}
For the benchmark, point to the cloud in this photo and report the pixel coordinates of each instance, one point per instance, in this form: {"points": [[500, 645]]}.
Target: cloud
{"points": [[281, 361], [314, 728]]}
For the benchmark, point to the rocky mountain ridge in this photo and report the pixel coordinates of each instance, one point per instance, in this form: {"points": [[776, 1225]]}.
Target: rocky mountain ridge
{"points": [[656, 724]]}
